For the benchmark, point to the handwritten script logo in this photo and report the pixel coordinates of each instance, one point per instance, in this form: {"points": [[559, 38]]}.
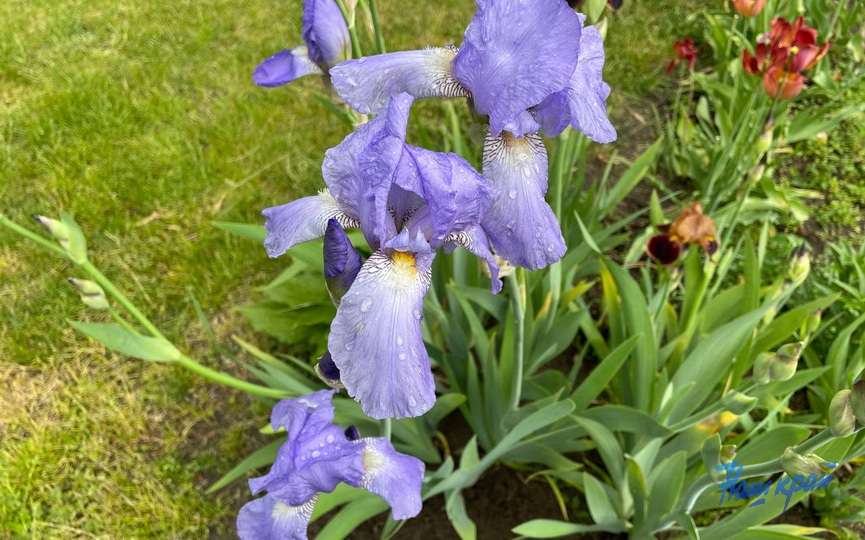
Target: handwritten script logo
{"points": [[734, 489]]}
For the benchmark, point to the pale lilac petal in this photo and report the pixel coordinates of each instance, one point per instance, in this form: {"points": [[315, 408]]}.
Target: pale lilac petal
{"points": [[520, 224], [321, 466], [284, 67], [475, 241], [325, 32], [523, 123], [456, 194], [375, 338], [300, 221], [316, 456], [515, 54], [587, 91], [395, 477], [267, 519], [359, 171], [553, 114], [368, 83]]}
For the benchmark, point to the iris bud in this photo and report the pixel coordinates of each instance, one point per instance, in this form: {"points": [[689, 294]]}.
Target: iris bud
{"points": [[780, 366], [57, 229], [351, 433], [857, 401], [341, 261], [328, 372], [796, 464], [842, 421], [91, 293], [800, 265]]}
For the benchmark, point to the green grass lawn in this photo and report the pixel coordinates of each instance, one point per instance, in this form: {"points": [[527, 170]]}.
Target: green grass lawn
{"points": [[141, 119]]}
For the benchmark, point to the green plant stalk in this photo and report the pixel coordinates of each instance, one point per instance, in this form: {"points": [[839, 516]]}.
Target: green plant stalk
{"points": [[379, 36], [761, 469], [32, 236], [352, 30], [108, 286], [519, 341], [387, 428]]}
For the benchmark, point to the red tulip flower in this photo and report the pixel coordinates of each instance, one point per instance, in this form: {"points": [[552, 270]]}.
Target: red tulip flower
{"points": [[782, 54], [684, 50]]}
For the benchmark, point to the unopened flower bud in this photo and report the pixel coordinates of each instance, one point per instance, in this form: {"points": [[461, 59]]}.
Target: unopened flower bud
{"points": [[796, 464], [328, 372], [351, 433], [341, 261], [813, 323], [57, 229], [91, 293], [739, 403], [756, 173], [764, 141], [800, 265], [780, 366], [842, 421], [857, 401]]}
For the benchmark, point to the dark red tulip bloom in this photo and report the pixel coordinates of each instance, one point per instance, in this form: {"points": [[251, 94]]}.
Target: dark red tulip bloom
{"points": [[684, 50]]}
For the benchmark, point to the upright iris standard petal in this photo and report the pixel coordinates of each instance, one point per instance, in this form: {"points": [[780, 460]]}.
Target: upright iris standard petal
{"points": [[368, 83], [583, 103], [361, 186], [268, 519], [457, 196], [316, 456], [341, 261], [284, 67], [515, 54], [520, 224], [395, 477], [325, 32], [375, 338], [301, 220]]}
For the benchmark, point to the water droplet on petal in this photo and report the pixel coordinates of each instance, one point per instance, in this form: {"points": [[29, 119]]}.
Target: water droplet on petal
{"points": [[349, 345], [417, 314], [399, 341], [315, 453], [329, 439], [402, 356], [512, 194], [366, 305]]}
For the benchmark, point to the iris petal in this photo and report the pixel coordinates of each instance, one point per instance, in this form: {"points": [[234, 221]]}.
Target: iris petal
{"points": [[359, 170], [587, 91], [316, 455], [475, 240], [301, 220], [520, 224], [515, 54], [267, 519], [368, 83], [395, 477], [284, 67], [456, 194], [325, 32], [375, 338]]}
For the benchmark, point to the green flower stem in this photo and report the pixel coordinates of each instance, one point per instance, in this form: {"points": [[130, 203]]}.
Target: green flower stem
{"points": [[352, 30], [228, 380], [379, 36], [32, 236], [387, 428], [761, 469], [519, 340], [108, 286]]}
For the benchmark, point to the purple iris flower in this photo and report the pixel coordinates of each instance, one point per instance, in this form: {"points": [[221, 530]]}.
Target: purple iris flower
{"points": [[327, 43], [408, 202], [315, 458], [341, 261], [529, 67]]}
